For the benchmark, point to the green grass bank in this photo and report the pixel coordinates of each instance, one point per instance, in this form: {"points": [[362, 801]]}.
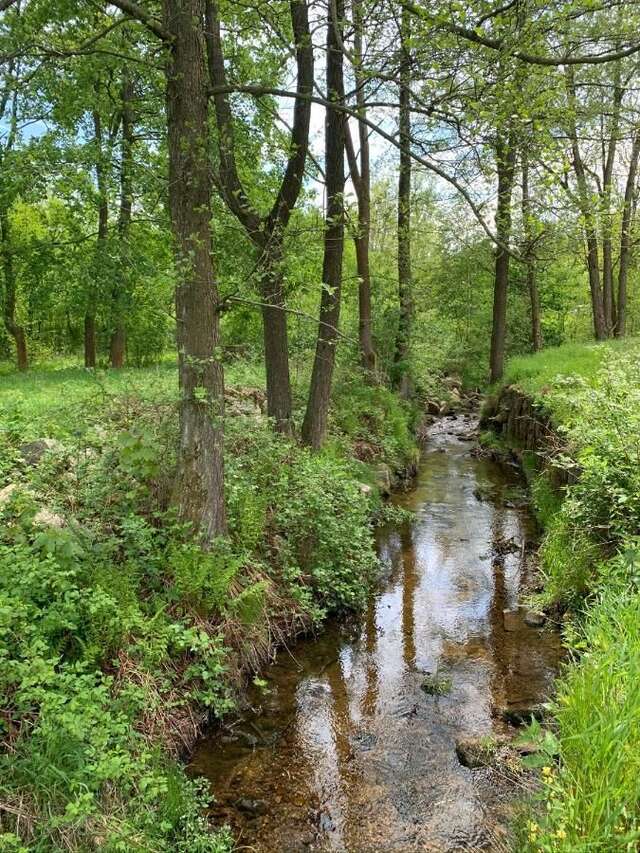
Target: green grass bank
{"points": [[118, 637], [590, 560]]}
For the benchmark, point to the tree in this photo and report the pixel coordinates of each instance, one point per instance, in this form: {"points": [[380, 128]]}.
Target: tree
{"points": [[405, 297], [117, 343], [9, 117], [267, 232], [314, 426], [360, 169], [199, 489]]}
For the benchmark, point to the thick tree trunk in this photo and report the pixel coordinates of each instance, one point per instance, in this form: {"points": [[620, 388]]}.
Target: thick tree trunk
{"points": [[316, 416], [402, 376], [12, 326], [625, 238], [276, 338], [118, 343], [530, 260], [199, 490], [506, 163]]}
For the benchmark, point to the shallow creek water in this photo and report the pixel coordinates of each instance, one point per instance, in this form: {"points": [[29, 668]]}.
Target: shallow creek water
{"points": [[347, 752]]}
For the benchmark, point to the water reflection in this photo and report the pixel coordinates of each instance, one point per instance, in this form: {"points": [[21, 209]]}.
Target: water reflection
{"points": [[353, 755]]}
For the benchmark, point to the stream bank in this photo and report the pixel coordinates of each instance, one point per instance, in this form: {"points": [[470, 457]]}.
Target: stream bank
{"points": [[353, 743]]}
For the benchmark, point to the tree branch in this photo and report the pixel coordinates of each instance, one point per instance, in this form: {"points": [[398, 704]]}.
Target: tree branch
{"points": [[134, 10]]}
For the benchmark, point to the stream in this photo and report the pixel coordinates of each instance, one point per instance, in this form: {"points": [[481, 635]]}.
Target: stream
{"points": [[347, 751]]}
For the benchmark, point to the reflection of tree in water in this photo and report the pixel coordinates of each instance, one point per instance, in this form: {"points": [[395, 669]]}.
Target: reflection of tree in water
{"points": [[370, 698], [497, 634], [337, 799], [409, 585]]}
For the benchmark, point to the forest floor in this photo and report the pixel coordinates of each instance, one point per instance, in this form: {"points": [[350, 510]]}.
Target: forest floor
{"points": [[590, 560], [118, 637]]}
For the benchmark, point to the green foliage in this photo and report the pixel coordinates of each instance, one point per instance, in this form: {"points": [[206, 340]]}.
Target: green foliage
{"points": [[590, 562], [592, 795], [111, 625]]}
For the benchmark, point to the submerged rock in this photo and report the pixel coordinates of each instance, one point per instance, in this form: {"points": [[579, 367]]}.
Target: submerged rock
{"points": [[512, 619]]}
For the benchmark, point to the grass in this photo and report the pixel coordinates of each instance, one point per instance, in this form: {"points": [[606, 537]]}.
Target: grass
{"points": [[591, 565]]}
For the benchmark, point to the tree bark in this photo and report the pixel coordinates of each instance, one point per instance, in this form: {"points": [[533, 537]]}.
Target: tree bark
{"points": [[117, 346], [506, 163], [625, 237], [361, 179], [12, 326], [402, 376], [276, 337], [316, 416], [267, 233], [101, 241], [199, 491], [530, 259], [589, 224], [605, 206]]}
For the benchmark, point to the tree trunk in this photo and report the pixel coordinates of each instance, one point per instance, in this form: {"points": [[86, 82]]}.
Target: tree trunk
{"points": [[199, 490], [316, 416], [402, 377], [625, 238], [362, 184], [12, 326], [276, 338], [506, 163], [608, 299], [103, 233], [266, 233], [590, 230], [118, 343], [529, 259]]}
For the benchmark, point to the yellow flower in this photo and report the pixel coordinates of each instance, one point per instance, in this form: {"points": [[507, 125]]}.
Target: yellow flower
{"points": [[547, 771], [561, 834]]}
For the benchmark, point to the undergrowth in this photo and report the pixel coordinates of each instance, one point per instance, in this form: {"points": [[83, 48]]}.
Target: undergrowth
{"points": [[118, 636], [591, 564]]}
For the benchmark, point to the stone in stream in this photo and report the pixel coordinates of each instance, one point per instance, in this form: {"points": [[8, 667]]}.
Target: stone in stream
{"points": [[475, 752], [512, 619], [520, 713], [251, 807], [534, 619]]}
